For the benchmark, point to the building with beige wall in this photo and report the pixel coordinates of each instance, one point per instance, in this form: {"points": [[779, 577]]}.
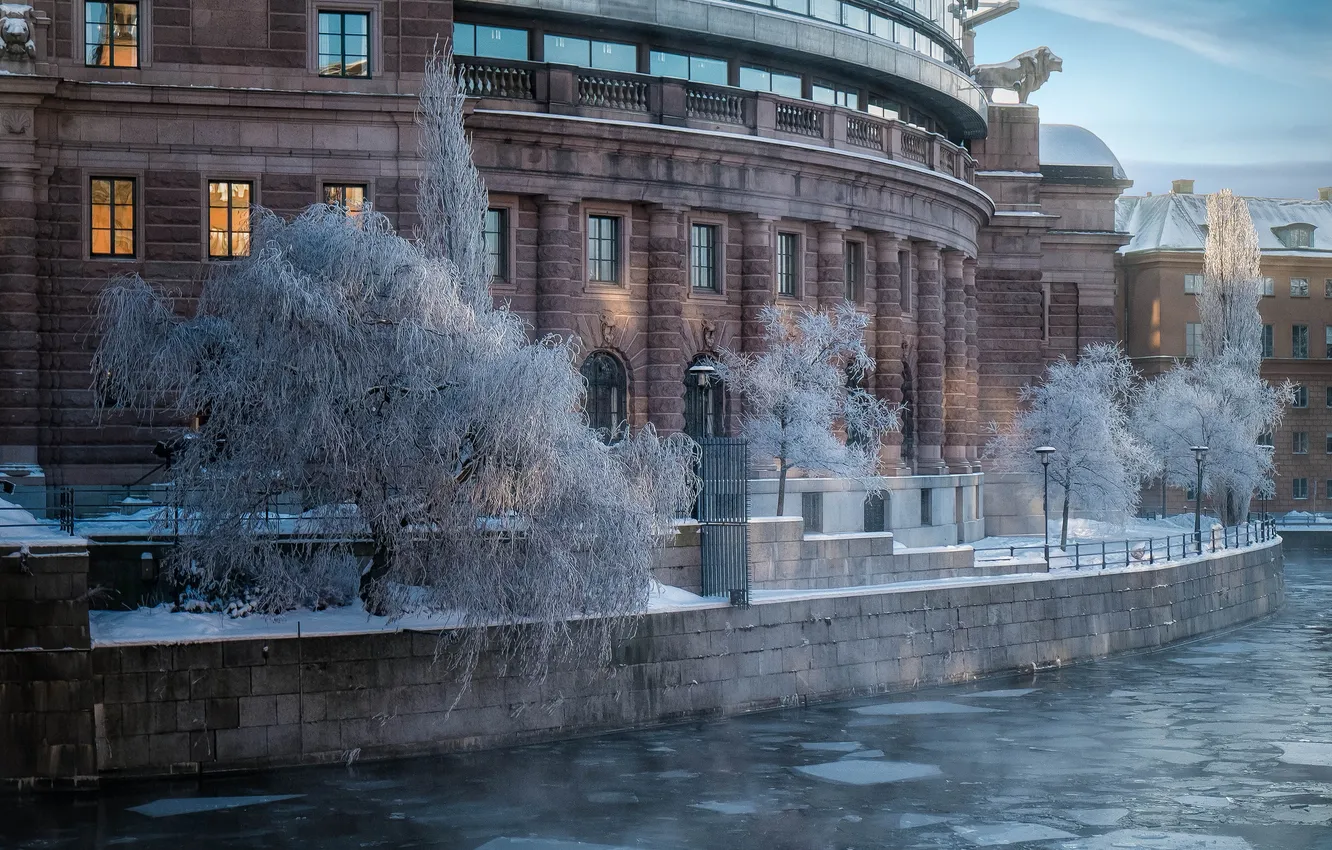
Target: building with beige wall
{"points": [[1161, 269]]}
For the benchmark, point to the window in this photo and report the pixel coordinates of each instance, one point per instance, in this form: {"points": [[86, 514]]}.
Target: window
{"points": [[349, 196], [1193, 284], [1267, 341], [1265, 439], [607, 387], [1269, 286], [926, 507], [590, 53], [883, 107], [1190, 493], [836, 96], [1299, 342], [1299, 488], [1329, 444], [811, 511], [703, 256], [1300, 443], [344, 44], [111, 35], [759, 79], [1327, 340], [603, 249], [855, 17], [497, 242], [700, 69], [1192, 339], [1301, 396], [1327, 287], [828, 10], [489, 42], [853, 255], [1299, 287], [1295, 235], [229, 219], [788, 264], [112, 216]]}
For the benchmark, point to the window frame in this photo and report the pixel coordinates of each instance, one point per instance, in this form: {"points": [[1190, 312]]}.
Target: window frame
{"points": [[373, 8], [509, 204], [797, 264], [1299, 489], [1268, 342], [718, 224], [1303, 291], [144, 27], [1269, 287], [1193, 284], [1301, 398], [1294, 355], [136, 189], [208, 180], [613, 434], [1299, 442], [325, 185], [1193, 333], [617, 248], [371, 28], [854, 290]]}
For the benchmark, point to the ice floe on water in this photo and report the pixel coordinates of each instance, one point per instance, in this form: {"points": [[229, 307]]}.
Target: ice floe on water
{"points": [[831, 746], [1098, 817], [924, 706], [743, 808], [170, 806], [1151, 839], [864, 754], [1202, 802], [999, 834], [1003, 693], [868, 772], [1306, 753], [912, 820], [543, 844]]}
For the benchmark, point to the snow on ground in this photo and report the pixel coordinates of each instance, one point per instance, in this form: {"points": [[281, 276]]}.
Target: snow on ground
{"points": [[163, 625], [20, 526]]}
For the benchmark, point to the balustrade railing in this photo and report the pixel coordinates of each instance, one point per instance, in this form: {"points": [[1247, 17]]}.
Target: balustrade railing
{"points": [[1132, 551], [681, 103]]}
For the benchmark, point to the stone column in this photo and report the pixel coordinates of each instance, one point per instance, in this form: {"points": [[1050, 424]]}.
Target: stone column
{"points": [[756, 281], [955, 364], [929, 362], [20, 326], [665, 285], [832, 266], [888, 341], [974, 436], [556, 262]]}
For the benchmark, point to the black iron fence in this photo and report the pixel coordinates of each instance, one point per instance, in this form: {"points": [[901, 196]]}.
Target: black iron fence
{"points": [[723, 516], [1136, 550]]}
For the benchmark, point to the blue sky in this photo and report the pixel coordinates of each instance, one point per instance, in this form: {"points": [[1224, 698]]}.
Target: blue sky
{"points": [[1231, 93]]}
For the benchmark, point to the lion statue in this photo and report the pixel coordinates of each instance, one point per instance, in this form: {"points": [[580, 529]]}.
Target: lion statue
{"points": [[17, 24], [1024, 73]]}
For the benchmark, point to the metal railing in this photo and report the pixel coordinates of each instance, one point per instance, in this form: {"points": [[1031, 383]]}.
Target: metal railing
{"points": [[663, 100], [1135, 551]]}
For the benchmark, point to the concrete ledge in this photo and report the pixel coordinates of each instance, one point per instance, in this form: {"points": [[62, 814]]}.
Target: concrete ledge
{"points": [[247, 704]]}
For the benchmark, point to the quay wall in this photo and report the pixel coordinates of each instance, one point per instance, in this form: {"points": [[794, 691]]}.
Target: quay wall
{"points": [[228, 705]]}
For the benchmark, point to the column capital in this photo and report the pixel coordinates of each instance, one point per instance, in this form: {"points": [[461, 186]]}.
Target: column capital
{"points": [[551, 200]]}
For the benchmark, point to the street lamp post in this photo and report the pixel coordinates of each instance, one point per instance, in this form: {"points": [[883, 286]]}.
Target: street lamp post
{"points": [[1044, 452], [1198, 453]]}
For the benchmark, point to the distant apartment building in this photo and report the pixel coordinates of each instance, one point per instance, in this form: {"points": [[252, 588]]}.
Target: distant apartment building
{"points": [[1160, 274]]}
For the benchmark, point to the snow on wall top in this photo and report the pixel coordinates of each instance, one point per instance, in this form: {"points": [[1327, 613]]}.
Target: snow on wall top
{"points": [[1068, 144], [1175, 222]]}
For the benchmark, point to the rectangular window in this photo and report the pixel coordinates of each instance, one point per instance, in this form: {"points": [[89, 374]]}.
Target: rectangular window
{"points": [[1299, 287], [1327, 288], [1329, 396], [1267, 341], [1269, 286], [344, 44], [1300, 488], [700, 69], [1299, 342], [854, 17], [800, 7], [349, 196], [1265, 439], [497, 242], [112, 216], [590, 53], [603, 249], [1329, 444], [703, 256], [1193, 284], [926, 507], [761, 79], [490, 42], [111, 35], [788, 264], [1301, 396], [882, 107], [229, 219], [1300, 443], [835, 95], [853, 254], [828, 10], [1192, 339], [1327, 340]]}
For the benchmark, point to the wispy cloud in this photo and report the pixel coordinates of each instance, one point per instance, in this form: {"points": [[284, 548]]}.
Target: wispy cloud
{"points": [[1274, 38]]}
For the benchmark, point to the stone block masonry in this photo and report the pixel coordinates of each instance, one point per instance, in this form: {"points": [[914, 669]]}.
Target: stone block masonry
{"points": [[261, 703]]}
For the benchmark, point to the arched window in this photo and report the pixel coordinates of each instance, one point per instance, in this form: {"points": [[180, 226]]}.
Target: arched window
{"points": [[705, 404], [607, 388]]}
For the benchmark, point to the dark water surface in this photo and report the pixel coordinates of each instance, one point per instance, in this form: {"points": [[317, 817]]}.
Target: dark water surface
{"points": [[1224, 744]]}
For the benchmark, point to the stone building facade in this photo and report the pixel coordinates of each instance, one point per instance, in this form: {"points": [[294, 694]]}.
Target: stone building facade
{"points": [[658, 171], [1160, 275]]}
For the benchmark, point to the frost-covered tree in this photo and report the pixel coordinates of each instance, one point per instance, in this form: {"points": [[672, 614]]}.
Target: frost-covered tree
{"points": [[359, 375], [1220, 400], [1081, 410], [801, 386]]}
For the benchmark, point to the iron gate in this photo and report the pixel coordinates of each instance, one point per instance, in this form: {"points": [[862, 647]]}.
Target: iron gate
{"points": [[723, 516]]}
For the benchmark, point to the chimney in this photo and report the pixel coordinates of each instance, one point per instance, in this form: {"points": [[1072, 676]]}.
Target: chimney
{"points": [[1181, 187], [1325, 193]]}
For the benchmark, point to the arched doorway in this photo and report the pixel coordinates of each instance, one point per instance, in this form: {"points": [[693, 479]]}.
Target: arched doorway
{"points": [[607, 391], [705, 404]]}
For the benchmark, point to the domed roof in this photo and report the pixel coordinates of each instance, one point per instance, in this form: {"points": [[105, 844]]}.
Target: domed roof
{"points": [[1071, 145]]}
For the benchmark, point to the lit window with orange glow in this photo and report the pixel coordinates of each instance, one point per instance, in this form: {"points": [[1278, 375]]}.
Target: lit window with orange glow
{"points": [[112, 216], [349, 196], [229, 219], [111, 34]]}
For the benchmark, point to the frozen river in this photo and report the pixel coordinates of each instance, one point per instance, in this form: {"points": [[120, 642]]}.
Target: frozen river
{"points": [[1224, 744]]}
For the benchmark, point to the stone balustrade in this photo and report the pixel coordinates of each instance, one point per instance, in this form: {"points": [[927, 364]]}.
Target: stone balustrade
{"points": [[593, 93]]}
